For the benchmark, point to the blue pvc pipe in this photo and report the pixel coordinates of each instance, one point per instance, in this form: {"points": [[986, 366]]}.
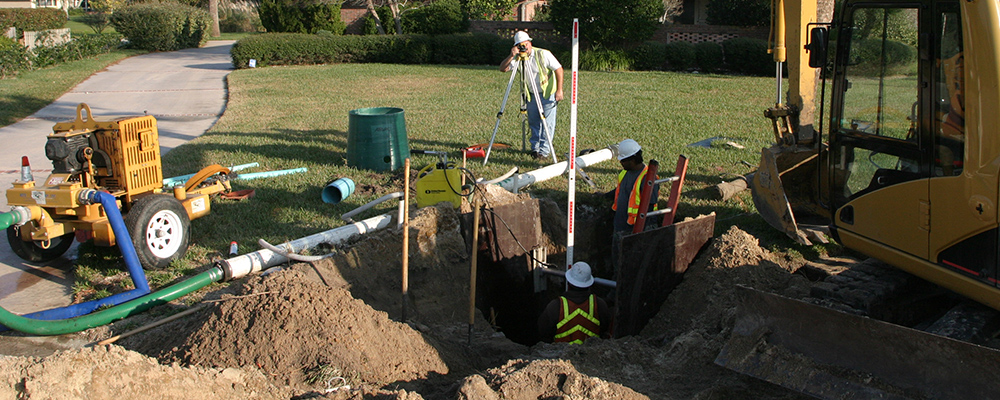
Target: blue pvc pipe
{"points": [[135, 270]]}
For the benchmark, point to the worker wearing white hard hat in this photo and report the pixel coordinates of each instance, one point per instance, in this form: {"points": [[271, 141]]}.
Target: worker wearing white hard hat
{"points": [[626, 193], [542, 88], [578, 314]]}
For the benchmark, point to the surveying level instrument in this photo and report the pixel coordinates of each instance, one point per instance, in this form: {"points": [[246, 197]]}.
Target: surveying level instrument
{"points": [[520, 63]]}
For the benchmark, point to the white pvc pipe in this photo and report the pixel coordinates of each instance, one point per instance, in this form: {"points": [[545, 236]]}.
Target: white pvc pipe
{"points": [[243, 265], [347, 216], [499, 179], [551, 171]]}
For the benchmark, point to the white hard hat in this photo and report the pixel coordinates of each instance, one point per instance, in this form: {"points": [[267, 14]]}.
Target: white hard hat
{"points": [[627, 148], [521, 36], [579, 275]]}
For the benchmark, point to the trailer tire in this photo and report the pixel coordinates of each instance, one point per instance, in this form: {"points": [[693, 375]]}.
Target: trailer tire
{"points": [[33, 251], [160, 230]]}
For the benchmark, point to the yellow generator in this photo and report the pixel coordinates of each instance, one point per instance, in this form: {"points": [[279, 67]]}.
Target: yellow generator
{"points": [[120, 157]]}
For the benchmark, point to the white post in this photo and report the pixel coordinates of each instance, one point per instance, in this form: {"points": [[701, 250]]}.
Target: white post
{"points": [[571, 209]]}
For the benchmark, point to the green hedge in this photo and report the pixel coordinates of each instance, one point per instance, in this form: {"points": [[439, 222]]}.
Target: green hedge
{"points": [[32, 19], [163, 27], [708, 56], [650, 56], [15, 58], [866, 55], [302, 49], [748, 56], [680, 55]]}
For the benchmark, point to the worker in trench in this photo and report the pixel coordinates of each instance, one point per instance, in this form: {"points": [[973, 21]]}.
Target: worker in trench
{"points": [[627, 196], [578, 314]]}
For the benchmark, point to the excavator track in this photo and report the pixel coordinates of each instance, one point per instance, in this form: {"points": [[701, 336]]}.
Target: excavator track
{"points": [[845, 339]]}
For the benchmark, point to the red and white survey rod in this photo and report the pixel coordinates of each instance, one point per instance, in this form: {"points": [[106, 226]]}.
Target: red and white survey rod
{"points": [[571, 209]]}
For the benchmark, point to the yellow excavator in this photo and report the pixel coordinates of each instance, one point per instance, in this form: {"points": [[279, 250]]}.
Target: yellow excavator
{"points": [[900, 161]]}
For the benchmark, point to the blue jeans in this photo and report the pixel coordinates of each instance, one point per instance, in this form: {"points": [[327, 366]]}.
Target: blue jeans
{"points": [[539, 140]]}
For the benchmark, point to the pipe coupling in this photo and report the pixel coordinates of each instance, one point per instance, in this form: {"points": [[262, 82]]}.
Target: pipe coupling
{"points": [[21, 215], [87, 197]]}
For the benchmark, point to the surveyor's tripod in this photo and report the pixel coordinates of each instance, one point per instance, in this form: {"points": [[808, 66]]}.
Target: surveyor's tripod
{"points": [[520, 62]]}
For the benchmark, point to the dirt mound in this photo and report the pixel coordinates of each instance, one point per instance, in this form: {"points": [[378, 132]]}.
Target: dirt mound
{"points": [[111, 372], [541, 379], [302, 326]]}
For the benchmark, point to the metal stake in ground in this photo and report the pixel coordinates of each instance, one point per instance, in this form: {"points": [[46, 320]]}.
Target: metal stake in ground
{"points": [[472, 272], [406, 234]]}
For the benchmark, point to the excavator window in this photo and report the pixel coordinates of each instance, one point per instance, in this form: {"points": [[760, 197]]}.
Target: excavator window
{"points": [[880, 110], [949, 96]]}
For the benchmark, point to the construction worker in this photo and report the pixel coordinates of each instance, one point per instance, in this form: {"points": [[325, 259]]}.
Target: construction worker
{"points": [[627, 195], [578, 314], [627, 192], [545, 75]]}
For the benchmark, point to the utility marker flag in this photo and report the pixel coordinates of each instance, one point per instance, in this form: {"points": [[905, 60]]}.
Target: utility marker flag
{"points": [[571, 211]]}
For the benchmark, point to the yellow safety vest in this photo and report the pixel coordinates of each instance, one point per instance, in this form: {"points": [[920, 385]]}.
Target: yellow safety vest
{"points": [[546, 77], [633, 204], [579, 324]]}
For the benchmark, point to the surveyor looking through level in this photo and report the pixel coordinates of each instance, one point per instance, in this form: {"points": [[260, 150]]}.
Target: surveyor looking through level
{"points": [[578, 314], [543, 87]]}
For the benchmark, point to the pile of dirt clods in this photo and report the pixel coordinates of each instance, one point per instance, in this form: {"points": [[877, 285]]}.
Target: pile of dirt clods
{"points": [[329, 329]]}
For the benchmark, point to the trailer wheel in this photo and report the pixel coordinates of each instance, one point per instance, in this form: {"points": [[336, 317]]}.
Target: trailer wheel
{"points": [[159, 228], [33, 251]]}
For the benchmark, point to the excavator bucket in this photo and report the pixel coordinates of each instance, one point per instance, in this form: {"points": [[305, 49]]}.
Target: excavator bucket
{"points": [[785, 188], [833, 355]]}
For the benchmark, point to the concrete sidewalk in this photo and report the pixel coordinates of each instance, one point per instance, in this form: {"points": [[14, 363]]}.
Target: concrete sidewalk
{"points": [[185, 90]]}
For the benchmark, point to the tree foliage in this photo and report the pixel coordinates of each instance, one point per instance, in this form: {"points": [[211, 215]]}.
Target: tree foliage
{"points": [[489, 10], [439, 17], [609, 23], [738, 12], [302, 16]]}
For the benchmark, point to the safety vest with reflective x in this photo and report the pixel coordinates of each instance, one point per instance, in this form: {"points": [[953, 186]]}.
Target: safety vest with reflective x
{"points": [[635, 199], [578, 322]]}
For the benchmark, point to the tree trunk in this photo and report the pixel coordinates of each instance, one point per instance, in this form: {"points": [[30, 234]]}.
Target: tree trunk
{"points": [[378, 21], [394, 6], [213, 9]]}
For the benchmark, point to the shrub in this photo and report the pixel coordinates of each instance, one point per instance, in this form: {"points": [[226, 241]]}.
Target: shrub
{"points": [[708, 56], [163, 27], [437, 18], [680, 55], [609, 23], [303, 49], [98, 21], [738, 12], [301, 16], [32, 19], [748, 56], [15, 58], [605, 60], [489, 10], [650, 56]]}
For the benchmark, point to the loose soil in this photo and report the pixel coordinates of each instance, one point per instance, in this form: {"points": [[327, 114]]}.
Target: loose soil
{"points": [[330, 329]]}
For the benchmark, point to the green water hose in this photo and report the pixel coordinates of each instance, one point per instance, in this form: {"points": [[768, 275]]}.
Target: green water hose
{"points": [[15, 216], [103, 317]]}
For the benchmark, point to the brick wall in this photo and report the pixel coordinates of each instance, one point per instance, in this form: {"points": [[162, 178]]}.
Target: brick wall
{"points": [[355, 19]]}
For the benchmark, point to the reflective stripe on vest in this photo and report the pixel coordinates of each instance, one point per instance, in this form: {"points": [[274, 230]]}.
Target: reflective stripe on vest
{"points": [[578, 325], [633, 204], [547, 84]]}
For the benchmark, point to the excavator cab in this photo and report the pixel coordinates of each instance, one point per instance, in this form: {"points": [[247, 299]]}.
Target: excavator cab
{"points": [[898, 173]]}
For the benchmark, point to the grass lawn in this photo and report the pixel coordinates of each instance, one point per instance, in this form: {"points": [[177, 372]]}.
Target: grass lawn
{"points": [[29, 91], [292, 117]]}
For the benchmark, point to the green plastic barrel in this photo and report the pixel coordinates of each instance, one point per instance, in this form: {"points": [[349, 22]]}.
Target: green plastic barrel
{"points": [[376, 139]]}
